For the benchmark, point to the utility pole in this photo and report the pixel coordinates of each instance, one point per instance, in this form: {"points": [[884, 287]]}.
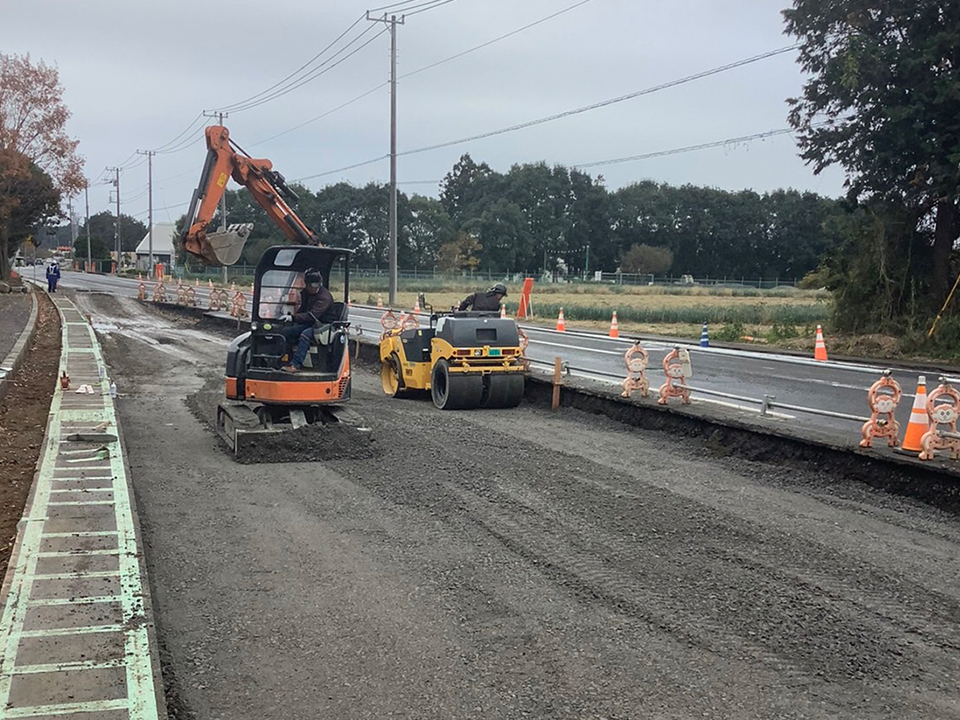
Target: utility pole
{"points": [[223, 198], [392, 23], [116, 234], [149, 154], [86, 202]]}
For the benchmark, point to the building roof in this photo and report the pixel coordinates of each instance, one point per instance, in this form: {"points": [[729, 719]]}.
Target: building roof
{"points": [[163, 237]]}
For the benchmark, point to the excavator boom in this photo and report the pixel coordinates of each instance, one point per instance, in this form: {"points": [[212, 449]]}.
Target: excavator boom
{"points": [[267, 187]]}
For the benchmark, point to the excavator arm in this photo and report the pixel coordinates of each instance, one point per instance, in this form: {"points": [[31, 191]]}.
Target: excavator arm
{"points": [[267, 187]]}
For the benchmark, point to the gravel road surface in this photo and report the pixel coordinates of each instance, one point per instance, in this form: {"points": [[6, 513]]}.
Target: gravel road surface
{"points": [[518, 564]]}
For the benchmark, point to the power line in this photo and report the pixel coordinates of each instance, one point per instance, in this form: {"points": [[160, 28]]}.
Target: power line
{"points": [[496, 39], [227, 108], [188, 129], [431, 3], [422, 69], [343, 169], [321, 69], [688, 148], [606, 103]]}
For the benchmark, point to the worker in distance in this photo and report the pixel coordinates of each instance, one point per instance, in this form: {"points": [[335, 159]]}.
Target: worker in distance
{"points": [[487, 302]]}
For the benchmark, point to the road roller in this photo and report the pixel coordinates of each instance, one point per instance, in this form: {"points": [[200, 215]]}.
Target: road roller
{"points": [[465, 360]]}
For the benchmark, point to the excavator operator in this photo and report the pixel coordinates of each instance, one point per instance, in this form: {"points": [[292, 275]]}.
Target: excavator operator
{"points": [[316, 308], [488, 301]]}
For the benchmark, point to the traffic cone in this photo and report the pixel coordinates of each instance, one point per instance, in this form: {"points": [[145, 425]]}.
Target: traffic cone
{"points": [[196, 282], [704, 337], [919, 421], [614, 328], [379, 300], [416, 306], [561, 325], [820, 349], [503, 311]]}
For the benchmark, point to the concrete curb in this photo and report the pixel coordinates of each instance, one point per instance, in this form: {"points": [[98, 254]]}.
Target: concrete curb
{"points": [[77, 632], [17, 354]]}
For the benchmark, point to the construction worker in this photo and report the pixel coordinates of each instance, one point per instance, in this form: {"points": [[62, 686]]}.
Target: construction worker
{"points": [[488, 301], [316, 308], [53, 276]]}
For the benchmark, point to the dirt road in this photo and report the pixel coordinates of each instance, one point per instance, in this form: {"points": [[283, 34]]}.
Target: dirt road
{"points": [[512, 564]]}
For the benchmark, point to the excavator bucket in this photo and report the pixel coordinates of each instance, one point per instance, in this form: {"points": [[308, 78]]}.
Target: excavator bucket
{"points": [[225, 247]]}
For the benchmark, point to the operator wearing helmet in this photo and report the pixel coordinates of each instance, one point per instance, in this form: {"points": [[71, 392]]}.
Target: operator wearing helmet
{"points": [[488, 301]]}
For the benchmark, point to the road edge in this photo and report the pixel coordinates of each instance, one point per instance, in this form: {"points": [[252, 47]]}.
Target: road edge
{"points": [[15, 358]]}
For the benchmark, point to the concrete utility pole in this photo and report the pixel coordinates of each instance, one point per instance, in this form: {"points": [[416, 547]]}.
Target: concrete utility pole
{"points": [[392, 23], [116, 234], [86, 202], [223, 198], [149, 154]]}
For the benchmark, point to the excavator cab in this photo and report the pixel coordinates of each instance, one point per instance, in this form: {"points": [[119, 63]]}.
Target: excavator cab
{"points": [[261, 399]]}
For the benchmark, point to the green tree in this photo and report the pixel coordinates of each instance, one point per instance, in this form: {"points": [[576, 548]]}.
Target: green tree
{"points": [[647, 259], [28, 199], [463, 253], [883, 102], [99, 250], [103, 227], [427, 227]]}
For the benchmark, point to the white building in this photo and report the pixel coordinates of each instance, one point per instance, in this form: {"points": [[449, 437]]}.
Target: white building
{"points": [[164, 238]]}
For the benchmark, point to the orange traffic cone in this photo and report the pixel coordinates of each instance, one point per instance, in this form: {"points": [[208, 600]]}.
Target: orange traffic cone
{"points": [[416, 306], [614, 328], [561, 325], [503, 311], [379, 300], [196, 282], [820, 349], [919, 420]]}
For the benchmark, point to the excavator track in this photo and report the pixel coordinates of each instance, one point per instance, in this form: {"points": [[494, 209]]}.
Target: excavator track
{"points": [[262, 434]]}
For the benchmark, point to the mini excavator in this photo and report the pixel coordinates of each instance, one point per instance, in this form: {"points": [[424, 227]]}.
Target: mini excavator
{"points": [[262, 402]]}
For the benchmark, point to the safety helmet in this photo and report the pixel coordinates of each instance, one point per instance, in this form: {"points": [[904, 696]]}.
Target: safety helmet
{"points": [[312, 275], [499, 288]]}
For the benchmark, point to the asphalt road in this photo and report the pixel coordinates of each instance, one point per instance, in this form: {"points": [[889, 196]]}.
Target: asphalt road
{"points": [[518, 564], [833, 386]]}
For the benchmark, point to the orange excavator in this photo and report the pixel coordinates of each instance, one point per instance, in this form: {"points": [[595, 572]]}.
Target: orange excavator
{"points": [[262, 402]]}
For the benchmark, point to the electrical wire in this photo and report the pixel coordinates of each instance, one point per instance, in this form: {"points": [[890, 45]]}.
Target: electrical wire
{"points": [[343, 169], [420, 70], [321, 69], [391, 5], [188, 129], [606, 103], [495, 40], [434, 5], [227, 108], [688, 148]]}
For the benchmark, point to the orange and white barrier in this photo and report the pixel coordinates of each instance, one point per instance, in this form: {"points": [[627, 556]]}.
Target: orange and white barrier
{"points": [[883, 398], [561, 325], [614, 327], [160, 292], [919, 420], [524, 343], [636, 359], [677, 368], [942, 413], [820, 348]]}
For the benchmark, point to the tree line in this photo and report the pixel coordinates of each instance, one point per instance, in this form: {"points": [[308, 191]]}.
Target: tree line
{"points": [[537, 218]]}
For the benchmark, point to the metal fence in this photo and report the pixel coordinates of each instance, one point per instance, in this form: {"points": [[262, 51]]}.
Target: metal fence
{"points": [[246, 271]]}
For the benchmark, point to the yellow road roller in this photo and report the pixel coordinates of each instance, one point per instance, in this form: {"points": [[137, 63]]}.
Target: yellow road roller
{"points": [[464, 359]]}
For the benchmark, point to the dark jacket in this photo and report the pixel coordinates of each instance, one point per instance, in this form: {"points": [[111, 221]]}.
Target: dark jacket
{"points": [[53, 271], [488, 301], [314, 309]]}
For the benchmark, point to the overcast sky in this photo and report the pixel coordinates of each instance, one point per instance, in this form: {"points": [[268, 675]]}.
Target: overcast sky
{"points": [[136, 74]]}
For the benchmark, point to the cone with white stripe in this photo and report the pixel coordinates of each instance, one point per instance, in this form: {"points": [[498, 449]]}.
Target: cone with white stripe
{"points": [[919, 420], [503, 311], [820, 349], [614, 327], [561, 325]]}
